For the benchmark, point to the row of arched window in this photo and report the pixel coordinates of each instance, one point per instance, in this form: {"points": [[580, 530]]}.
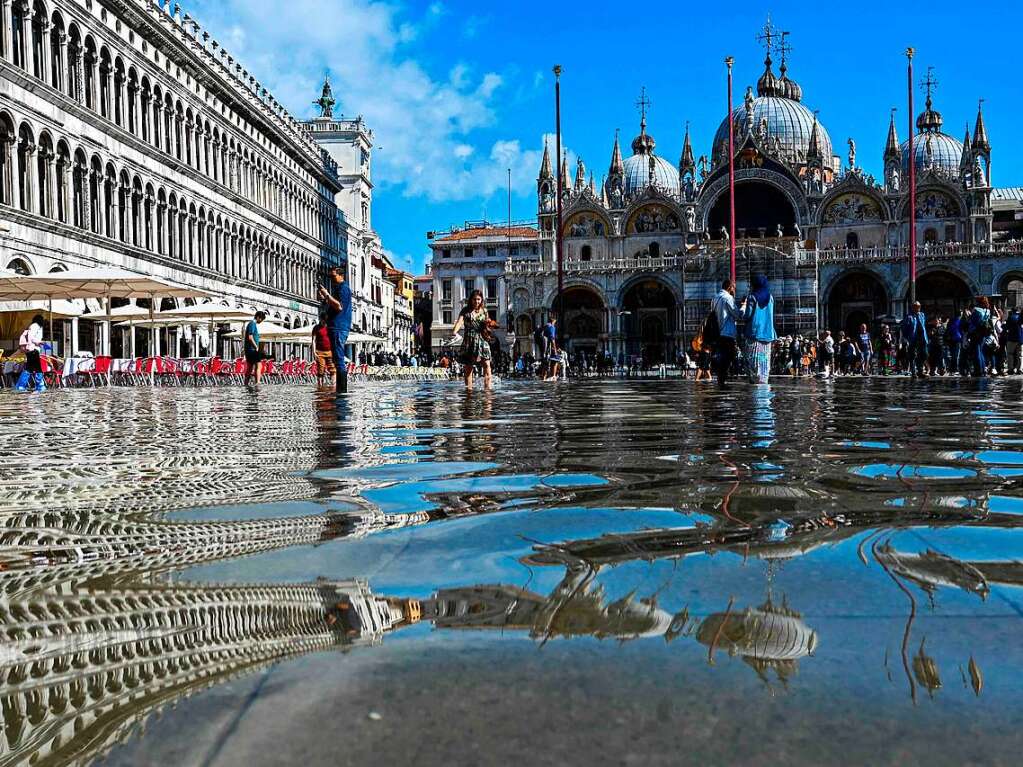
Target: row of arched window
{"points": [[85, 70], [65, 184]]}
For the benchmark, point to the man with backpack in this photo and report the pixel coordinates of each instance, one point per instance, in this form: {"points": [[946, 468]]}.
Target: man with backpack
{"points": [[720, 329]]}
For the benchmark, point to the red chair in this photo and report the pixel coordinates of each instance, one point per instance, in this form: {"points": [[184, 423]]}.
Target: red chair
{"points": [[100, 371]]}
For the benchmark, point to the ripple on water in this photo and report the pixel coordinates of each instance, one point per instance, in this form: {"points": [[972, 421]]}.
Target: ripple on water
{"points": [[673, 549]]}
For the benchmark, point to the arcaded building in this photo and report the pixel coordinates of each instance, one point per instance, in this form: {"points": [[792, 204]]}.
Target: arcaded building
{"points": [[130, 138]]}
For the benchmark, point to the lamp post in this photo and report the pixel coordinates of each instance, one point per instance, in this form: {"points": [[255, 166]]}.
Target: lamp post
{"points": [[561, 182], [729, 61], [912, 183]]}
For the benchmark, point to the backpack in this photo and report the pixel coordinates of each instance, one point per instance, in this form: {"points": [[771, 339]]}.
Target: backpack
{"points": [[711, 331]]}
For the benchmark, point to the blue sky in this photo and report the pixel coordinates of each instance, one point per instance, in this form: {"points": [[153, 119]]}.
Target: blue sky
{"points": [[458, 92]]}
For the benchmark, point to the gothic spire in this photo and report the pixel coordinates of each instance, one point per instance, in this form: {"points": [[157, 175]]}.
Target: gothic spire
{"points": [[814, 150], [593, 185], [545, 165], [617, 166], [980, 141], [891, 146], [686, 162], [966, 160], [564, 170], [580, 174]]}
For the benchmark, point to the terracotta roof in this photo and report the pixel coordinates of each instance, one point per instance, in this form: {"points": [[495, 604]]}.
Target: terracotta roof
{"points": [[515, 232]]}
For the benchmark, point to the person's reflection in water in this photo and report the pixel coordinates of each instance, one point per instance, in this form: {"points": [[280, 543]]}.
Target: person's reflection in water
{"points": [[477, 411], [334, 429], [762, 425]]}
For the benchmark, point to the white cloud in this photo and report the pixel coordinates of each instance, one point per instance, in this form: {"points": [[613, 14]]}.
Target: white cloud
{"points": [[426, 127]]}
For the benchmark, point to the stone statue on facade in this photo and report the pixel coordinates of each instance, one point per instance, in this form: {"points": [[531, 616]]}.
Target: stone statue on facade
{"points": [[690, 219], [852, 154], [779, 232], [724, 235]]}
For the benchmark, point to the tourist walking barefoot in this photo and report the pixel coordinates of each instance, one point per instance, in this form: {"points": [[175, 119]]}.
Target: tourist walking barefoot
{"points": [[475, 349], [760, 333], [253, 354]]}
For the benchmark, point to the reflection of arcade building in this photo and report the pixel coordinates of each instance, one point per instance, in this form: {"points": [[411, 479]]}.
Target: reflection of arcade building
{"points": [[645, 251]]}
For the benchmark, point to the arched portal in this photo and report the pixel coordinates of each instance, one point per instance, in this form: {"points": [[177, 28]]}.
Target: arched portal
{"points": [[942, 293], [583, 320], [760, 208], [1011, 288], [856, 299], [649, 321]]}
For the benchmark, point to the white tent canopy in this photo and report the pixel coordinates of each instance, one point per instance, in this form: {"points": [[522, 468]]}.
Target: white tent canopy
{"points": [[60, 308], [268, 331], [90, 283]]}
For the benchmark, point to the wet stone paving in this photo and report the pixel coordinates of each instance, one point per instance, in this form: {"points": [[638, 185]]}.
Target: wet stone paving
{"points": [[603, 572]]}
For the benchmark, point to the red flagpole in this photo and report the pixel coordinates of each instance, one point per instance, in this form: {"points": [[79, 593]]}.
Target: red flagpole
{"points": [[912, 185], [561, 181], [731, 174]]}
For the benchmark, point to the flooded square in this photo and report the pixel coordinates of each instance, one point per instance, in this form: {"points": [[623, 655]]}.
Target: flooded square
{"points": [[598, 572]]}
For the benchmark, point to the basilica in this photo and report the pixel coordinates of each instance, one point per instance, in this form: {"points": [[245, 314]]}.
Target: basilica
{"points": [[645, 250]]}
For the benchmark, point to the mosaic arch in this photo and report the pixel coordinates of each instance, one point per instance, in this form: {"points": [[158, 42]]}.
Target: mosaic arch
{"points": [[653, 219], [852, 208], [586, 224], [935, 204]]}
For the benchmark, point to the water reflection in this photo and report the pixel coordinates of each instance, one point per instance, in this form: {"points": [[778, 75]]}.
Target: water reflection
{"points": [[748, 525]]}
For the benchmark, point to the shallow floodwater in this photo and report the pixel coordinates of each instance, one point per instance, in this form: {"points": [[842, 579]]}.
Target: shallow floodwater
{"points": [[605, 572]]}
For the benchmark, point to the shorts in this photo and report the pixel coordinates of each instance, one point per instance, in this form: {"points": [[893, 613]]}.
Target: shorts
{"points": [[324, 362], [253, 356]]}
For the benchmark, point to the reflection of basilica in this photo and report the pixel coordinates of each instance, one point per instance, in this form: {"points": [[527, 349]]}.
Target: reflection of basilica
{"points": [[645, 251], [91, 651]]}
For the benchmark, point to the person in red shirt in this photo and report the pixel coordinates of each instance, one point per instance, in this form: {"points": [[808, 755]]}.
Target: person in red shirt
{"points": [[322, 350]]}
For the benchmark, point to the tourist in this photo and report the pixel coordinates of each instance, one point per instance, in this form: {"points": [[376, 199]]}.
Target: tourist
{"points": [[31, 342], [760, 335], [914, 331], [953, 343], [253, 354], [703, 358], [847, 353], [322, 350], [977, 331], [1014, 342], [937, 347], [865, 348], [796, 355], [886, 350], [827, 355], [475, 348], [726, 313], [338, 305], [549, 349]]}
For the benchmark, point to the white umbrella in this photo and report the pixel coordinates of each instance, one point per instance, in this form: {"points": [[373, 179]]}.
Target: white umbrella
{"points": [[60, 308], [267, 330], [213, 312], [105, 283]]}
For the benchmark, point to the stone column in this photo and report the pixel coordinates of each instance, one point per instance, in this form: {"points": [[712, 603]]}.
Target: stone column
{"points": [[93, 64], [121, 83], [51, 185], [26, 35], [62, 64], [45, 67], [79, 75], [8, 27], [74, 336], [26, 155]]}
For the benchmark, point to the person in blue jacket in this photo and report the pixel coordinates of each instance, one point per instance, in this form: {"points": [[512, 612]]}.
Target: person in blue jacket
{"points": [[914, 332]]}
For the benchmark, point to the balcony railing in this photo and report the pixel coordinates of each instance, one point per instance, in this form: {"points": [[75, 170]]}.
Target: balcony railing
{"points": [[713, 251]]}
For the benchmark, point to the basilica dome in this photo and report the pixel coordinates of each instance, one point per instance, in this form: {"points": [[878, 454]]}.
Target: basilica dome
{"points": [[778, 114], [932, 149], [637, 174]]}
